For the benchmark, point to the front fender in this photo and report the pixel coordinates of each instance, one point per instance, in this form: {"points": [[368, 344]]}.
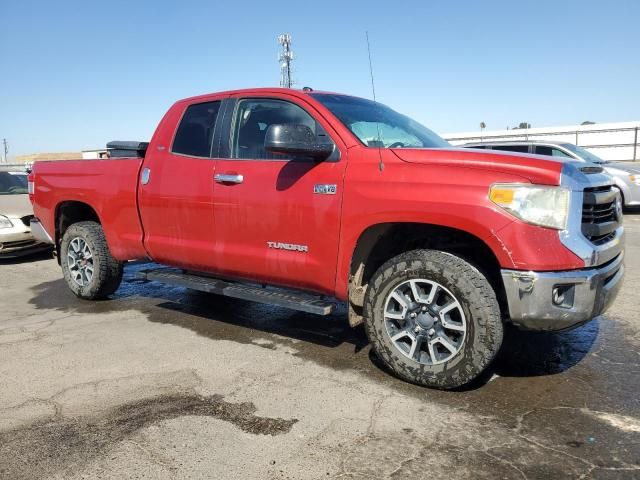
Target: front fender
{"points": [[445, 196]]}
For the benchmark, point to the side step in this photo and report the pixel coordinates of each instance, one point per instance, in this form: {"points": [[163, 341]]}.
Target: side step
{"points": [[282, 298]]}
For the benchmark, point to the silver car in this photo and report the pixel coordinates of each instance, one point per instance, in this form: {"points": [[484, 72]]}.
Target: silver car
{"points": [[15, 214], [626, 176]]}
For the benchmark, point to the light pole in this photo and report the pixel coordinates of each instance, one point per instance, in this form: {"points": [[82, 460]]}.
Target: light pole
{"points": [[5, 150]]}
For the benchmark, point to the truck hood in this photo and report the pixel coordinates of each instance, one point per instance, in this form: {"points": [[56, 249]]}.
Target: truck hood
{"points": [[15, 206], [537, 169]]}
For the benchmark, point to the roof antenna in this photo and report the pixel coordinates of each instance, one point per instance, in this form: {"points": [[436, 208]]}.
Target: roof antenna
{"points": [[373, 91]]}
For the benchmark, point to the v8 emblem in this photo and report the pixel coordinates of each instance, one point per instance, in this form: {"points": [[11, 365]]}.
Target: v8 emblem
{"points": [[325, 189]]}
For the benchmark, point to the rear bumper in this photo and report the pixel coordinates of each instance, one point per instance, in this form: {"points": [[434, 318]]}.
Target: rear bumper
{"points": [[561, 300]]}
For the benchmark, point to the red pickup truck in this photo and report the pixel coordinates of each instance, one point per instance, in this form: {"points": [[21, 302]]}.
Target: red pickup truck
{"points": [[295, 198]]}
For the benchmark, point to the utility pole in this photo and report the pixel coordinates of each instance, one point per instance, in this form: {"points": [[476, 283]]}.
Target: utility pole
{"points": [[5, 150], [285, 58]]}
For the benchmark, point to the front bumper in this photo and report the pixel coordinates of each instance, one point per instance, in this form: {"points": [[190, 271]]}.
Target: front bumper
{"points": [[561, 300], [18, 244], [630, 192]]}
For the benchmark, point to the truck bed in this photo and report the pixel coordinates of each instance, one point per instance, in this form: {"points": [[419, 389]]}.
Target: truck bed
{"points": [[109, 186]]}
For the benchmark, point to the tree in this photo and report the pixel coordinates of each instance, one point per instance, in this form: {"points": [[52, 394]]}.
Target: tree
{"points": [[482, 127], [588, 122], [522, 125]]}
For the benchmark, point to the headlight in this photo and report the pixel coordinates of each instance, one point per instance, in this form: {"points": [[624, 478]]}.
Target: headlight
{"points": [[539, 205], [635, 179], [5, 222]]}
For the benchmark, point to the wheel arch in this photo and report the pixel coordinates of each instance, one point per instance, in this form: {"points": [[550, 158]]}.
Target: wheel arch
{"points": [[622, 188], [380, 242], [69, 212]]}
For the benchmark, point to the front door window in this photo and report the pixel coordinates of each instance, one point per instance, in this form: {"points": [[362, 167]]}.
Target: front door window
{"points": [[253, 118]]}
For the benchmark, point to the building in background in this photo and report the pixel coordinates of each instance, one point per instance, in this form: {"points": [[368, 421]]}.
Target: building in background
{"points": [[609, 141], [46, 156]]}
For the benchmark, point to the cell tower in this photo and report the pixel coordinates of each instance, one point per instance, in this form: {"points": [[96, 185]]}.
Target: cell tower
{"points": [[285, 58]]}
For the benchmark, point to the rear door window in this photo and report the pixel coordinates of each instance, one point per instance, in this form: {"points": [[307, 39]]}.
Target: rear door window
{"points": [[550, 151], [195, 132], [543, 150]]}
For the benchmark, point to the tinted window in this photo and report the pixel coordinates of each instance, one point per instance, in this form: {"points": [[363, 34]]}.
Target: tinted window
{"points": [[21, 178], [512, 148], [542, 150], [551, 151], [253, 118], [195, 132]]}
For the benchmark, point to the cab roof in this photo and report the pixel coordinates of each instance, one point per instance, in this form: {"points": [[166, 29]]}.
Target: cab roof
{"points": [[249, 91]]}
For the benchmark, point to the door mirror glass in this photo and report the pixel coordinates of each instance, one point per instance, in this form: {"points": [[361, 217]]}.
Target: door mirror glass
{"points": [[296, 140]]}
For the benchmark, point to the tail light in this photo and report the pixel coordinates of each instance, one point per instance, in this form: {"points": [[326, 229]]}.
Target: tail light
{"points": [[31, 185]]}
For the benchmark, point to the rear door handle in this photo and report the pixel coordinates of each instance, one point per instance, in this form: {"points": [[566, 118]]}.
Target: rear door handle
{"points": [[228, 178], [144, 177]]}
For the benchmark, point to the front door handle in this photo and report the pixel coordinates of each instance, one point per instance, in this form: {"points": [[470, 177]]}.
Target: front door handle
{"points": [[228, 178]]}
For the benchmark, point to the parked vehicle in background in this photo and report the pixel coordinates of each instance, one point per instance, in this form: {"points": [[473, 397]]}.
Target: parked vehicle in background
{"points": [[626, 176], [287, 197], [16, 213]]}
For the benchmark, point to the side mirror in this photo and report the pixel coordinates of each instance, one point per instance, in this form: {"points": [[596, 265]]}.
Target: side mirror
{"points": [[297, 140]]}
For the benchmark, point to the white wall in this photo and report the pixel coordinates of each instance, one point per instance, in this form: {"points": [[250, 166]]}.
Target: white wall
{"points": [[93, 154], [609, 141]]}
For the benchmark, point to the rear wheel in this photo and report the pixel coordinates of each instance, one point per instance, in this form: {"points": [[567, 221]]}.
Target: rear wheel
{"points": [[89, 269], [433, 318]]}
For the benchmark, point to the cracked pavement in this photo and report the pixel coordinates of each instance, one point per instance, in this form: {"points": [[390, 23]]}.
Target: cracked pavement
{"points": [[162, 382]]}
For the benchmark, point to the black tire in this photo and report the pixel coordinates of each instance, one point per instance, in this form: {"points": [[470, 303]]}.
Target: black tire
{"points": [[107, 271], [484, 328], [624, 207]]}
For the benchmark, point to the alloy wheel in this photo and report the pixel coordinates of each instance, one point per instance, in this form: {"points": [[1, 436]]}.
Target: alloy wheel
{"points": [[80, 261], [425, 321]]}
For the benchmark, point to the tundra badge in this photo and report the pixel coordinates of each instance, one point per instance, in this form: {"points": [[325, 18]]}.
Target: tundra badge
{"points": [[324, 189], [288, 246]]}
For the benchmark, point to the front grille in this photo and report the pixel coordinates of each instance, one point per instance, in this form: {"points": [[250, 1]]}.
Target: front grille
{"points": [[27, 220], [600, 214]]}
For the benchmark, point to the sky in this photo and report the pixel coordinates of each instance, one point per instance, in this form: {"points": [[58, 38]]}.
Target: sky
{"points": [[75, 75]]}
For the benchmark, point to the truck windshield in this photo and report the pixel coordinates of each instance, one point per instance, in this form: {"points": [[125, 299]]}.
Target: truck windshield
{"points": [[12, 183], [377, 125]]}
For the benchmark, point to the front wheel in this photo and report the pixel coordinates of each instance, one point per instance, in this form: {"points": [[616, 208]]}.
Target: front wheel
{"points": [[433, 318], [89, 269]]}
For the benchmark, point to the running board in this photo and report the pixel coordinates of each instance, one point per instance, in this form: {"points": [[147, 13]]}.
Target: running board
{"points": [[282, 298]]}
